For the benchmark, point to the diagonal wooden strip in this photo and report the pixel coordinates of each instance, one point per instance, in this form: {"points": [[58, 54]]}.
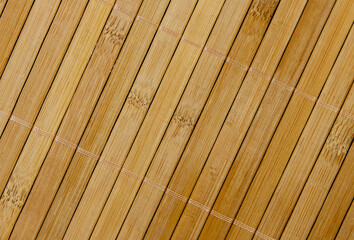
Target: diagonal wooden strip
{"points": [[42, 73], [180, 128], [2, 5], [325, 169], [291, 124], [24, 54], [309, 145], [94, 137], [337, 202], [137, 103], [11, 23], [346, 230], [52, 112], [158, 117]]}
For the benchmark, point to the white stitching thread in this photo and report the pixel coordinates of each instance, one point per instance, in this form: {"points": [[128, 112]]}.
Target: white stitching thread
{"points": [[65, 142], [261, 235], [87, 153], [4, 114], [221, 216], [233, 62], [329, 107], [124, 11], [144, 20], [42, 132], [176, 195], [244, 226], [199, 205], [20, 121], [282, 85], [131, 174], [308, 96], [155, 184]]}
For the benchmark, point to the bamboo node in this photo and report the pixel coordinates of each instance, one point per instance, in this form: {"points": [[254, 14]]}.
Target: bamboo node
{"points": [[183, 120], [138, 101], [346, 114], [21, 122]]}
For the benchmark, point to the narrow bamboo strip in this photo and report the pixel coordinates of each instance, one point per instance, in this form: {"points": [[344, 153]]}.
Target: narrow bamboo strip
{"points": [[308, 147], [328, 162], [52, 112], [42, 74], [100, 124], [24, 54], [75, 120], [176, 136], [346, 230], [292, 123], [192, 161], [2, 5], [261, 129], [337, 202], [160, 112], [11, 23], [125, 129]]}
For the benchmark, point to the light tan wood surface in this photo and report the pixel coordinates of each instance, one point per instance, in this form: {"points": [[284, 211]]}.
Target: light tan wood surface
{"points": [[176, 119]]}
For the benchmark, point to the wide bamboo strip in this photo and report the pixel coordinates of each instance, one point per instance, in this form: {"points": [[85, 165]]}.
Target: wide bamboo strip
{"points": [[2, 5], [160, 112], [24, 54], [291, 125], [76, 117], [337, 202], [125, 129], [261, 129], [192, 161], [308, 148], [42, 73], [52, 111], [176, 136], [11, 23], [346, 230], [330, 159], [103, 118]]}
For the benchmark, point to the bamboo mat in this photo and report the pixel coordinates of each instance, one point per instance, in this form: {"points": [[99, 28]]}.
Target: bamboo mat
{"points": [[182, 119]]}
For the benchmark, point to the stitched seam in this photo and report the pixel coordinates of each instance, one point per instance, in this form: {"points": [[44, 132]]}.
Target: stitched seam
{"points": [[218, 54], [177, 35], [109, 163], [346, 114], [329, 107], [192, 43], [105, 3], [65, 142], [244, 226], [154, 184], [124, 11], [308, 96], [42, 132], [87, 153], [144, 20], [4, 114], [261, 235], [282, 85], [20, 121], [252, 70], [131, 174], [221, 216], [176, 195], [237, 64], [199, 205]]}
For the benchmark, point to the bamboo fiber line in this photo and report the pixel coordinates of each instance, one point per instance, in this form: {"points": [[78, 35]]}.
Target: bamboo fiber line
{"points": [[2, 5], [158, 186], [346, 229]]}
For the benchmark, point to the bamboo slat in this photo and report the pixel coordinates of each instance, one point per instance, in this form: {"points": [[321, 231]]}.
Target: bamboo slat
{"points": [[24, 54], [160, 112], [337, 202], [291, 125], [11, 22], [76, 117], [176, 137], [330, 159], [346, 230], [191, 163], [101, 122], [307, 148], [125, 129], [42, 74], [53, 109], [2, 5]]}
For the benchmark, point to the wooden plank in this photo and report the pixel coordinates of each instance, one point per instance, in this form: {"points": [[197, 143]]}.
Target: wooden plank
{"points": [[11, 23], [330, 159], [75, 119], [260, 131], [177, 133], [42, 73], [2, 5], [290, 126], [24, 54], [346, 230], [101, 122], [52, 111], [158, 117], [125, 129], [192, 161], [337, 202], [308, 147]]}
